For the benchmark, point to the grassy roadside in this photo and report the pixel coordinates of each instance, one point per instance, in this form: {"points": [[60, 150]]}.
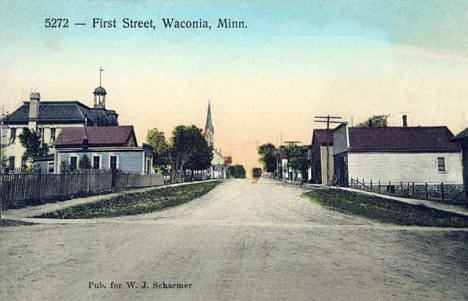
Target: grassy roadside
{"points": [[134, 203], [385, 210]]}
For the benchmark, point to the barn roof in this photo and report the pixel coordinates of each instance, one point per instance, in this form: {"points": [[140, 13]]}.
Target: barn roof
{"points": [[97, 136], [401, 139]]}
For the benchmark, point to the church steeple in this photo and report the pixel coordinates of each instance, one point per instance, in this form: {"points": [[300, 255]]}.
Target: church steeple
{"points": [[209, 128]]}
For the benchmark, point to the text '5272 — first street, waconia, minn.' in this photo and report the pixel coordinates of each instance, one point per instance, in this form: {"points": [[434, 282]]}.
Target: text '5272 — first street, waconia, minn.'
{"points": [[129, 23]]}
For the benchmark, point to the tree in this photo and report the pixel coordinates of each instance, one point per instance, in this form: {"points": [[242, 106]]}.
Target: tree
{"points": [[236, 171], [256, 172], [297, 159], [376, 121], [31, 142], [85, 163], [200, 157], [157, 140], [267, 154], [184, 143]]}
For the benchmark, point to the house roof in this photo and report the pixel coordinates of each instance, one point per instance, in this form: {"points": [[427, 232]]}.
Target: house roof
{"points": [[63, 112], [402, 139], [97, 136], [322, 136], [463, 135]]}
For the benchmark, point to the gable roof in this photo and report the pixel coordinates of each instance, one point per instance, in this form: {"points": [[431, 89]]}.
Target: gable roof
{"points": [[463, 135], [402, 139], [97, 136], [322, 136], [63, 112]]}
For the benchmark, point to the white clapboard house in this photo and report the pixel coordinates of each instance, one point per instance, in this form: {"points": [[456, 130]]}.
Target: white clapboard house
{"points": [[396, 154]]}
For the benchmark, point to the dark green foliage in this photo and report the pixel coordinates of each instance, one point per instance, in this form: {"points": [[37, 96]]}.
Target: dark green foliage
{"points": [[157, 140], [85, 163], [386, 210], [135, 203], [376, 121], [268, 154], [32, 143], [236, 171], [256, 172]]}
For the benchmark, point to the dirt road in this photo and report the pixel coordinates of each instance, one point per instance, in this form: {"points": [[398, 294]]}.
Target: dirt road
{"points": [[241, 241]]}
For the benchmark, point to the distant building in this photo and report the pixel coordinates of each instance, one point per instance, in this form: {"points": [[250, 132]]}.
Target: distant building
{"points": [[320, 170], [107, 148], [396, 154], [219, 164], [48, 118], [462, 137]]}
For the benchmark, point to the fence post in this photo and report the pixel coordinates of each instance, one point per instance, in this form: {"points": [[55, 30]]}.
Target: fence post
{"points": [[427, 196], [401, 188], [370, 185], [442, 190], [379, 186], [389, 190], [413, 190]]}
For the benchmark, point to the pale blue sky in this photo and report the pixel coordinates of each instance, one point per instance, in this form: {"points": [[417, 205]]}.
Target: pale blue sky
{"points": [[296, 58]]}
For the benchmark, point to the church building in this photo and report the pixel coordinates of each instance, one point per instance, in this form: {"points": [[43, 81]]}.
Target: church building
{"points": [[219, 165]]}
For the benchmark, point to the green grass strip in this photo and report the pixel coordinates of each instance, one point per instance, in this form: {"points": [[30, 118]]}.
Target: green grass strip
{"points": [[385, 210], [134, 203]]}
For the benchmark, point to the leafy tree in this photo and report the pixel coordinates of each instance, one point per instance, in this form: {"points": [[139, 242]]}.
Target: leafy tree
{"points": [[32, 143], [85, 163], [236, 171], [267, 154], [256, 172], [201, 157], [157, 140], [185, 142], [64, 167], [297, 159], [376, 121]]}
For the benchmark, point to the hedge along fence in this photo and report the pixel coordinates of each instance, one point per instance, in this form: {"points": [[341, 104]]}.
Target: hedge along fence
{"points": [[441, 192], [20, 190]]}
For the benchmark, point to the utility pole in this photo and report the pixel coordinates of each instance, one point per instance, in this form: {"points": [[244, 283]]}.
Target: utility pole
{"points": [[328, 119]]}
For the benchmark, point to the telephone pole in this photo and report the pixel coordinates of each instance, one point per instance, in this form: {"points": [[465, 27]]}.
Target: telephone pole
{"points": [[328, 120]]}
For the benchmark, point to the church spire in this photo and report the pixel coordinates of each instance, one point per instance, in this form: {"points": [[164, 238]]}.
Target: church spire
{"points": [[209, 128]]}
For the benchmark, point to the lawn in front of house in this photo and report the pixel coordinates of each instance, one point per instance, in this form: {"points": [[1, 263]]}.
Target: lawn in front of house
{"points": [[134, 203], [385, 210]]}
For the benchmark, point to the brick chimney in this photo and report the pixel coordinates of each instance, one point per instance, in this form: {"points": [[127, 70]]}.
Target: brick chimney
{"points": [[34, 100], [405, 120]]}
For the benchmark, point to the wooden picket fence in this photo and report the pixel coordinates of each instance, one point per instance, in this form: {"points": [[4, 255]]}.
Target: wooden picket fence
{"points": [[441, 192], [19, 190]]}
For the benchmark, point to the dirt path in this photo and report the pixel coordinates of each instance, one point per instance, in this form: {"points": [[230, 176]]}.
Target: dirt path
{"points": [[241, 241]]}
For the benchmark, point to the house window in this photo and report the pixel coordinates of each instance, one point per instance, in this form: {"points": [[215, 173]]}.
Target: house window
{"points": [[12, 135], [11, 162], [96, 162], [441, 164], [51, 167], [52, 135], [41, 132], [113, 162], [23, 162], [73, 162]]}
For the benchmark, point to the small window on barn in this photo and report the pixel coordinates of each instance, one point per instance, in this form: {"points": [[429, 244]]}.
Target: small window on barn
{"points": [[51, 167], [441, 164], [113, 162], [96, 162], [73, 162]]}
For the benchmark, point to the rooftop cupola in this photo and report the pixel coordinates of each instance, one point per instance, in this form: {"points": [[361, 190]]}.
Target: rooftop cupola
{"points": [[100, 94]]}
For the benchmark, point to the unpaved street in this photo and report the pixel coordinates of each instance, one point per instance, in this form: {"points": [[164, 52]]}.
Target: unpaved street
{"points": [[241, 241]]}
